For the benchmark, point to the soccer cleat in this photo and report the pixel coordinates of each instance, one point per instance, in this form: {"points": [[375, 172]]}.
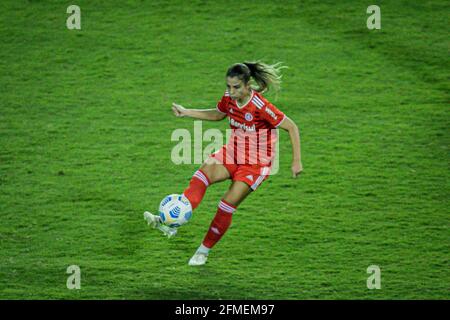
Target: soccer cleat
{"points": [[168, 231], [152, 219], [155, 222], [198, 259]]}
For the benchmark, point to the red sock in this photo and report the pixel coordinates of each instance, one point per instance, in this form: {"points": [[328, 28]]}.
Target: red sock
{"points": [[220, 224], [197, 188]]}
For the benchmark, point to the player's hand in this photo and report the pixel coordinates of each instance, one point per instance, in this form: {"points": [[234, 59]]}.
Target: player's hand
{"points": [[297, 168], [178, 110]]}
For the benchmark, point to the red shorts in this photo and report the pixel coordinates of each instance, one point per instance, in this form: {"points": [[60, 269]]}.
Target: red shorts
{"points": [[252, 174]]}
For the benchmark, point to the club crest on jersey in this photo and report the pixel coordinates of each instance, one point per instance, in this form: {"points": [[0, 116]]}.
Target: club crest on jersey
{"points": [[248, 116]]}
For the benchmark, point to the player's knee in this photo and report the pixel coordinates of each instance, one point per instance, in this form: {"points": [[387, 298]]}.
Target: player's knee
{"points": [[210, 162], [235, 195], [212, 170], [208, 170], [232, 198]]}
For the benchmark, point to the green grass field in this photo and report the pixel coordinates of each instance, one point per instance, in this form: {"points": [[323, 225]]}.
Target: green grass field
{"points": [[85, 128]]}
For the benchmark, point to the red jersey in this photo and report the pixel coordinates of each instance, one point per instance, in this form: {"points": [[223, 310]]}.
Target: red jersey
{"points": [[254, 136]]}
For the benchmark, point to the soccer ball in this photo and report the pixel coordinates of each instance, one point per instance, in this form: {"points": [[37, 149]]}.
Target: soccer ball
{"points": [[175, 210]]}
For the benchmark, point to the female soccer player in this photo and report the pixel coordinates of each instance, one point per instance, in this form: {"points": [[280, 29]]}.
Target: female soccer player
{"points": [[247, 158]]}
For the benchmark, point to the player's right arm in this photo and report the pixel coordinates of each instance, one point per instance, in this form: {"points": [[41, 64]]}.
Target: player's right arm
{"points": [[202, 114]]}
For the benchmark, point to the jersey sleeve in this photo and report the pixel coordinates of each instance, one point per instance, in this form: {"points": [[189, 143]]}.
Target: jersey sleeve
{"points": [[222, 105], [273, 115]]}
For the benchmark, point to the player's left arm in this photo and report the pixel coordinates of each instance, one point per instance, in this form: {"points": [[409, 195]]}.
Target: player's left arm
{"points": [[290, 126]]}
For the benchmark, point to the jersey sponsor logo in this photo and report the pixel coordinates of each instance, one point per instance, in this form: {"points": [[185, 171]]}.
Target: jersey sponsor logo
{"points": [[242, 126], [248, 116], [271, 113]]}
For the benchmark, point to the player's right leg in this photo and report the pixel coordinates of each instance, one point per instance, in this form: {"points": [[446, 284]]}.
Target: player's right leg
{"points": [[211, 171]]}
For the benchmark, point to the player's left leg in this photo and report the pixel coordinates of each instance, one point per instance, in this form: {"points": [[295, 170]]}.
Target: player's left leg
{"points": [[238, 191]]}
